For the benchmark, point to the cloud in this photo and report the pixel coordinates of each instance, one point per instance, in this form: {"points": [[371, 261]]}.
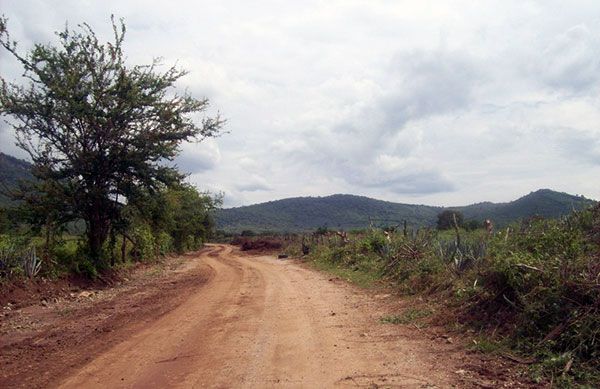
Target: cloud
{"points": [[427, 83], [572, 60], [404, 101], [365, 146], [254, 183], [199, 157]]}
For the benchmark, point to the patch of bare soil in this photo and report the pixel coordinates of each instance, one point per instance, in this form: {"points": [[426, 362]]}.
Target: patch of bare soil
{"points": [[66, 326]]}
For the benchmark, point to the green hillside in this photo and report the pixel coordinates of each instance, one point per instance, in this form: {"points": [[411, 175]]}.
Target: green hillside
{"points": [[350, 212], [544, 202], [12, 170], [337, 211]]}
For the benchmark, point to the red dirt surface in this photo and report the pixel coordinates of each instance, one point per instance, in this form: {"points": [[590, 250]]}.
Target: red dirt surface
{"points": [[41, 343], [223, 318]]}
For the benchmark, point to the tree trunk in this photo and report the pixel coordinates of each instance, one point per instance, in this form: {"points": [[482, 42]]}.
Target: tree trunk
{"points": [[112, 245], [48, 237], [98, 229], [123, 249]]}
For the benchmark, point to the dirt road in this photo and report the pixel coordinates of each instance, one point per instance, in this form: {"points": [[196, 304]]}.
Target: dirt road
{"points": [[261, 322], [223, 318]]}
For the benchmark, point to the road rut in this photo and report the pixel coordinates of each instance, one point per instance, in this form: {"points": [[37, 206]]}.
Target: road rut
{"points": [[261, 322]]}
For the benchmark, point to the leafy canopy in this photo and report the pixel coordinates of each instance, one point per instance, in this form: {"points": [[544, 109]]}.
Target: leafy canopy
{"points": [[96, 128]]}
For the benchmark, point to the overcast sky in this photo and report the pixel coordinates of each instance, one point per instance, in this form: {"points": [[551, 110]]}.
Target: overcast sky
{"points": [[435, 102]]}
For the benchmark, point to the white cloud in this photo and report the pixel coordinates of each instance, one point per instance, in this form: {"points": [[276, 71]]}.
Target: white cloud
{"points": [[441, 103]]}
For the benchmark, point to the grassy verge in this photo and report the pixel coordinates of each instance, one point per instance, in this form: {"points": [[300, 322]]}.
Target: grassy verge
{"points": [[363, 276], [532, 289]]}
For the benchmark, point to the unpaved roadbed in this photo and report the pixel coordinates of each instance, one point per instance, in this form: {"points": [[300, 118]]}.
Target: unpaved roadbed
{"points": [[226, 319]]}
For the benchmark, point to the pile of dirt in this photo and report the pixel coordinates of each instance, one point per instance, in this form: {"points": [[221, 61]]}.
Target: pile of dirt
{"points": [[258, 244], [23, 292]]}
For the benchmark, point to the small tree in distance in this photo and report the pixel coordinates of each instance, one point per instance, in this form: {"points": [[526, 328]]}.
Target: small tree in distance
{"points": [[445, 219], [97, 129]]}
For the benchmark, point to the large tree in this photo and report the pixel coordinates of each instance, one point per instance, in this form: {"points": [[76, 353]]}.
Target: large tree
{"points": [[97, 128]]}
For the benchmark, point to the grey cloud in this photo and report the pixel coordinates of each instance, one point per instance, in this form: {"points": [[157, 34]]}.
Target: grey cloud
{"points": [[199, 157], [254, 183], [411, 183], [419, 85], [572, 60], [429, 83], [583, 146]]}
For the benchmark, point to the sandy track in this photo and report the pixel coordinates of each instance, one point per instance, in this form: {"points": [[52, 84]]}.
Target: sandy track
{"points": [[261, 322]]}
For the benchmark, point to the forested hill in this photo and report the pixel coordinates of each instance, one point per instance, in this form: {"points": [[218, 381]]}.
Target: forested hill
{"points": [[337, 211], [12, 170], [544, 202], [350, 212]]}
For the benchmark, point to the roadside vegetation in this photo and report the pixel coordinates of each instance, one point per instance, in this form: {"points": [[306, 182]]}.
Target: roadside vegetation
{"points": [[530, 290], [101, 136]]}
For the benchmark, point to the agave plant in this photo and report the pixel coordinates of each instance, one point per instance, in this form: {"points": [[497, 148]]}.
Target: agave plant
{"points": [[461, 255], [31, 263]]}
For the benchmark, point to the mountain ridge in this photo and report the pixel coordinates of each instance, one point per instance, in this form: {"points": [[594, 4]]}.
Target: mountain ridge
{"points": [[346, 211], [12, 170]]}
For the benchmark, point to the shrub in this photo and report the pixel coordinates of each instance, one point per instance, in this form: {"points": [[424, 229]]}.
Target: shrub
{"points": [[144, 243], [374, 242], [18, 256]]}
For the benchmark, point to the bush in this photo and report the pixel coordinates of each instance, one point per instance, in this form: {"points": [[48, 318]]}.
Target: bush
{"points": [[375, 242], [18, 256], [144, 243], [549, 277], [164, 243]]}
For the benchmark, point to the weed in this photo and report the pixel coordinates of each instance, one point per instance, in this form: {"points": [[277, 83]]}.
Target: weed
{"points": [[487, 346], [407, 317]]}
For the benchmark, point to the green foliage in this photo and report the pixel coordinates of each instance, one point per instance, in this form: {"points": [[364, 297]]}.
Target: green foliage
{"points": [[12, 251], [176, 219], [374, 242], [472, 225], [486, 345], [19, 257], [5, 222], [144, 242], [448, 218], [547, 273], [96, 129], [164, 243]]}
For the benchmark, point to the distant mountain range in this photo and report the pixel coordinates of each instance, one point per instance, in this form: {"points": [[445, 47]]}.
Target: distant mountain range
{"points": [[342, 211], [12, 170]]}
